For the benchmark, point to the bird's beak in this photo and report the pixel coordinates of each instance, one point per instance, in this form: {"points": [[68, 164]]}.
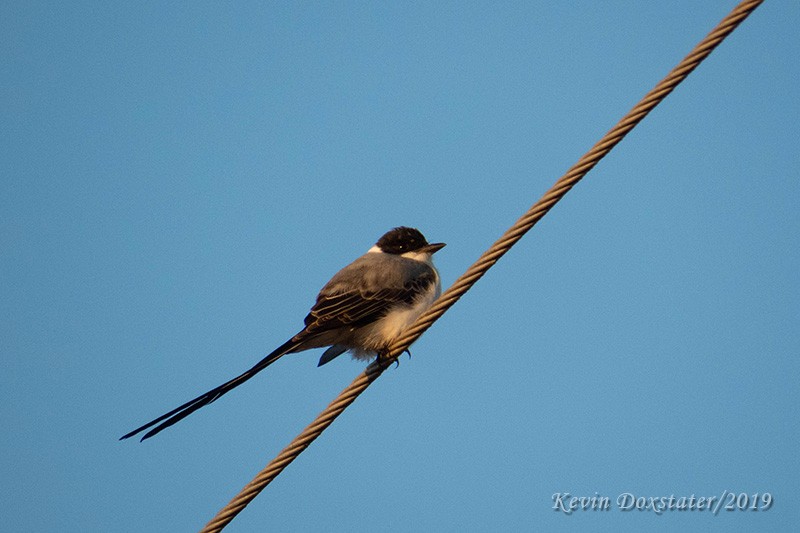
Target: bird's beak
{"points": [[433, 248]]}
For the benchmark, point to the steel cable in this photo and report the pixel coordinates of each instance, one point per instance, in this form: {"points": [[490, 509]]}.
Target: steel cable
{"points": [[484, 262]]}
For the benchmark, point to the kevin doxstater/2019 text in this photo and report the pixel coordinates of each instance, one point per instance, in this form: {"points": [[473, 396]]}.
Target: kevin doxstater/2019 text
{"points": [[566, 503]]}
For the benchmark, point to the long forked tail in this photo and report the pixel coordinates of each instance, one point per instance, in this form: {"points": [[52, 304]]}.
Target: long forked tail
{"points": [[179, 413]]}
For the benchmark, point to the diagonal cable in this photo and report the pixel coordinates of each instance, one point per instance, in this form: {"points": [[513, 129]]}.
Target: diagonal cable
{"points": [[484, 262]]}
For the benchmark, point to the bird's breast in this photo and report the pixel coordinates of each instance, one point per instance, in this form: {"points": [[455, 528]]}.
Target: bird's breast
{"points": [[384, 331]]}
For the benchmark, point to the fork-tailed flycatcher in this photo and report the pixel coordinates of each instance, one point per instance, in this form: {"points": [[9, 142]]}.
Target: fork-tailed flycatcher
{"points": [[363, 308]]}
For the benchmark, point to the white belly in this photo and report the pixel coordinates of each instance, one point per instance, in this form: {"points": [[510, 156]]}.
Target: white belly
{"points": [[384, 332]]}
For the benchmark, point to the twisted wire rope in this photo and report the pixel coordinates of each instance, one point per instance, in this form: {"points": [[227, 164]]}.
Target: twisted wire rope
{"points": [[484, 262]]}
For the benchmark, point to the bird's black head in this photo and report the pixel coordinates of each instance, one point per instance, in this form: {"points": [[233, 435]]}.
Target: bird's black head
{"points": [[401, 240]]}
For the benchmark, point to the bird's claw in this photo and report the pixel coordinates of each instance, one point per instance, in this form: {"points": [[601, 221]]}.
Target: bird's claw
{"points": [[397, 361], [381, 358]]}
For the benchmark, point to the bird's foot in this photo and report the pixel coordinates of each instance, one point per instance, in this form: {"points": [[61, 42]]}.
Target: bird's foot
{"points": [[383, 357]]}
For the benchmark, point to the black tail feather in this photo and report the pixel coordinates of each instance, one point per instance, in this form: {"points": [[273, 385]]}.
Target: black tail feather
{"points": [[179, 413]]}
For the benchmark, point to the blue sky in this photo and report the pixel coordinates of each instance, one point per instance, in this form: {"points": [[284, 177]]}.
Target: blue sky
{"points": [[179, 180]]}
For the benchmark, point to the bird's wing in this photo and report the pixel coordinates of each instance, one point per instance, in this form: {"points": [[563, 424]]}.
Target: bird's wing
{"points": [[331, 353], [338, 307]]}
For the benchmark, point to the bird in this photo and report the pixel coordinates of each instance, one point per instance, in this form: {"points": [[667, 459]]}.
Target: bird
{"points": [[363, 309]]}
